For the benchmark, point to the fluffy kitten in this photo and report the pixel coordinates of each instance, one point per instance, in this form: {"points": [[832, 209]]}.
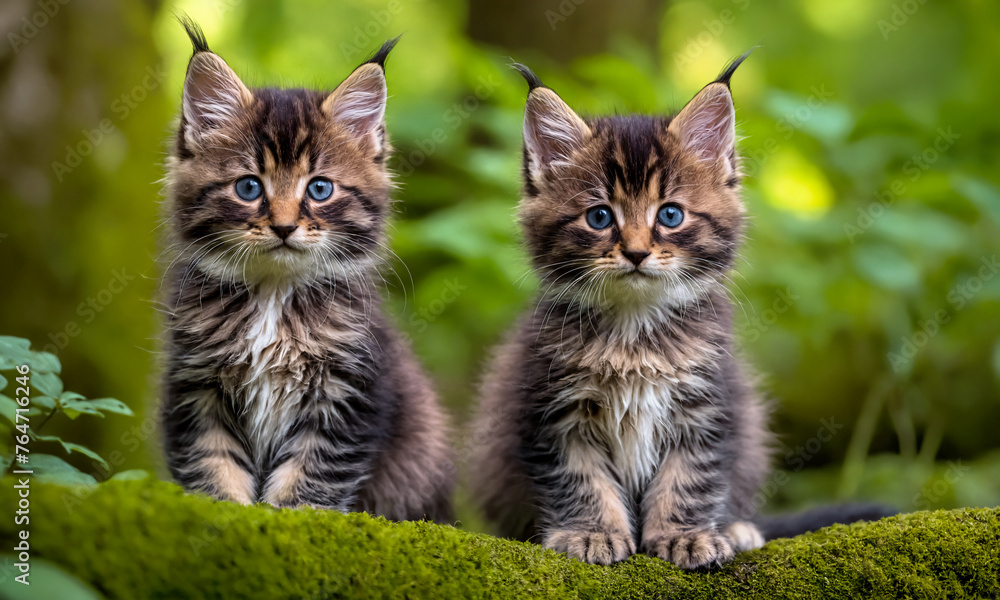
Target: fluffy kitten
{"points": [[616, 419], [284, 382]]}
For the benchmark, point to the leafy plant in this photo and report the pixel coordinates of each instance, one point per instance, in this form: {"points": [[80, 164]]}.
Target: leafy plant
{"points": [[33, 379]]}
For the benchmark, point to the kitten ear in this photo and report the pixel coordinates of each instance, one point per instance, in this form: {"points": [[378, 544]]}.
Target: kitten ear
{"points": [[706, 126], [552, 131], [359, 101], [213, 93]]}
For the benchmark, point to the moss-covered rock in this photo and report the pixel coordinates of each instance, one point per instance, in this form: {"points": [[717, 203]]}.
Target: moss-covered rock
{"points": [[148, 539]]}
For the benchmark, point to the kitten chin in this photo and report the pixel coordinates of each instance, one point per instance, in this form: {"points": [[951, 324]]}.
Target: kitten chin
{"points": [[284, 383]]}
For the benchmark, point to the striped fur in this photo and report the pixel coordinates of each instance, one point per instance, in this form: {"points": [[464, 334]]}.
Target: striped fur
{"points": [[284, 383], [615, 419]]}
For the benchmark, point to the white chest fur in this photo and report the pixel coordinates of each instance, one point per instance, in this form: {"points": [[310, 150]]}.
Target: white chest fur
{"points": [[274, 370], [264, 388], [631, 416]]}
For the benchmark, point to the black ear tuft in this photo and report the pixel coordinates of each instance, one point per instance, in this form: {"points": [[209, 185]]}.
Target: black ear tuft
{"points": [[383, 53], [529, 76], [727, 74], [194, 32]]}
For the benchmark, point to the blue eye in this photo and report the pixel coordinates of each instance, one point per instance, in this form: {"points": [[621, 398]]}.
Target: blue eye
{"points": [[320, 189], [249, 188], [599, 217], [670, 215]]}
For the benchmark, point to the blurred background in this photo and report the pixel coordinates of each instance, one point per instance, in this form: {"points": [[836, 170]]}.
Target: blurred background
{"points": [[869, 293]]}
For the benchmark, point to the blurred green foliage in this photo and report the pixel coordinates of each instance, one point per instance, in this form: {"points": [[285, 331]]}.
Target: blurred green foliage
{"points": [[869, 297]]}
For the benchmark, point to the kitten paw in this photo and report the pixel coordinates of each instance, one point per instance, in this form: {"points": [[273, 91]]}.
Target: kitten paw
{"points": [[594, 547], [744, 535], [691, 549]]}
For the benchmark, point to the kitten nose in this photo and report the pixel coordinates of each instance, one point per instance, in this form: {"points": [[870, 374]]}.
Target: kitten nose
{"points": [[283, 231], [635, 256]]}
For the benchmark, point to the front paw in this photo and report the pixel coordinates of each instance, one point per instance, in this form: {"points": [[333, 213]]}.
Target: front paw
{"points": [[690, 549], [595, 547]]}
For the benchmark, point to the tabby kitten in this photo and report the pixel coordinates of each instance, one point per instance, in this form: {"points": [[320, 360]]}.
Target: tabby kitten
{"points": [[616, 418], [284, 382]]}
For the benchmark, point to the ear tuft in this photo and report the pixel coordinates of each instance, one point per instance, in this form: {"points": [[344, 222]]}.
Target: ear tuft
{"points": [[552, 131], [383, 53], [529, 76], [727, 73], [196, 35]]}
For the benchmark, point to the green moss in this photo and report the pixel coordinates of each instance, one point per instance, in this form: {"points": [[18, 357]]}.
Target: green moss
{"points": [[149, 539]]}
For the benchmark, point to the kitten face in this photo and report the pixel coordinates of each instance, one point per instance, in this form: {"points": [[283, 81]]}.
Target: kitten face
{"points": [[631, 210], [279, 184]]}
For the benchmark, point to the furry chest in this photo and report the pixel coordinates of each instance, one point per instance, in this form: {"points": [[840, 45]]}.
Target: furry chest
{"points": [[272, 373], [632, 416]]}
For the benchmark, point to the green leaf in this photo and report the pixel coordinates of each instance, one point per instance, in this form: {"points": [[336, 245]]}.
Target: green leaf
{"points": [[885, 266], [3, 382], [130, 475], [8, 409], [5, 462], [52, 469], [47, 581], [44, 402], [70, 447], [74, 407], [13, 352], [44, 362], [111, 405], [984, 195], [48, 384]]}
